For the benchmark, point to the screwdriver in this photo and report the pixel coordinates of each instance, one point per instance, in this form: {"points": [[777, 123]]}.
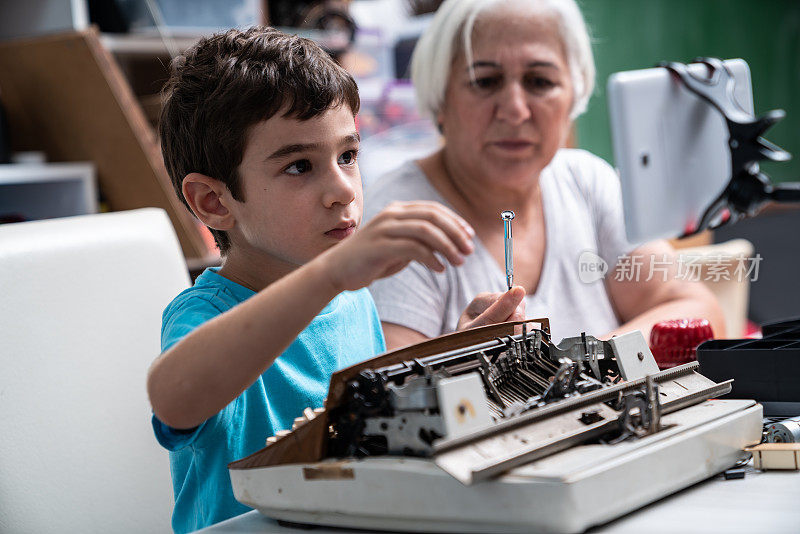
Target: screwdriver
{"points": [[507, 217]]}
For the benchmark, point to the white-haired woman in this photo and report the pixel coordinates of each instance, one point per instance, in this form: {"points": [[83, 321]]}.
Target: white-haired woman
{"points": [[503, 80]]}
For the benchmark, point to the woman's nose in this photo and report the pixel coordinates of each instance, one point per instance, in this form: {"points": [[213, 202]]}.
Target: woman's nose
{"points": [[342, 188], [512, 105]]}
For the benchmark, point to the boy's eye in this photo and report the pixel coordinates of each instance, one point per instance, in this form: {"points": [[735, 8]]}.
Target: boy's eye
{"points": [[298, 167], [348, 158]]}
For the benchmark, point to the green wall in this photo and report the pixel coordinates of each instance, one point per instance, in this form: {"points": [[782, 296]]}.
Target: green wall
{"points": [[635, 34]]}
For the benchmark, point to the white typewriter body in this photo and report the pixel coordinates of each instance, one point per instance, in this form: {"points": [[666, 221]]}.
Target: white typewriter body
{"points": [[537, 471]]}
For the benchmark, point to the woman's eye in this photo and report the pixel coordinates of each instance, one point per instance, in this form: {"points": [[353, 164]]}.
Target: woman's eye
{"points": [[348, 158], [298, 167], [539, 83], [487, 82]]}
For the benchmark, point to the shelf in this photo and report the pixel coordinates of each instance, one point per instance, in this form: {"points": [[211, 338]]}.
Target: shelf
{"points": [[151, 43], [33, 191], [144, 45]]}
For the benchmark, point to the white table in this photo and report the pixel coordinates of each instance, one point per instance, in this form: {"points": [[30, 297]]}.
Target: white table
{"points": [[761, 502]]}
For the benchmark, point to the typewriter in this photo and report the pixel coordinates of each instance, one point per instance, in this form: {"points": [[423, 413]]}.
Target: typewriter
{"points": [[498, 429]]}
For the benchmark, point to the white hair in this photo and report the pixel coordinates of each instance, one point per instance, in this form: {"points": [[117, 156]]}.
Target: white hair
{"points": [[454, 21]]}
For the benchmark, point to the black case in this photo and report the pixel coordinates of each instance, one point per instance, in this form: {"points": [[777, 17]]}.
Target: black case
{"points": [[767, 369]]}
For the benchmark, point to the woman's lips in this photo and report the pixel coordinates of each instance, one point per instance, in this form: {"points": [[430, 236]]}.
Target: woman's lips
{"points": [[341, 233], [513, 144]]}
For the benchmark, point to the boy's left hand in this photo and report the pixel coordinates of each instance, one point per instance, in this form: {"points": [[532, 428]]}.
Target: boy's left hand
{"points": [[490, 308]]}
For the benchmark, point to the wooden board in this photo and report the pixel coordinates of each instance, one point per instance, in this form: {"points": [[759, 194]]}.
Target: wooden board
{"points": [[65, 95]]}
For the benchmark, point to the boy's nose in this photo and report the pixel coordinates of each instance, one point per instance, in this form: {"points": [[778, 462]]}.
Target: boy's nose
{"points": [[342, 188]]}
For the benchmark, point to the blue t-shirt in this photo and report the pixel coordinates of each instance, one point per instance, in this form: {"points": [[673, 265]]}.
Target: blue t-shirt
{"points": [[346, 332]]}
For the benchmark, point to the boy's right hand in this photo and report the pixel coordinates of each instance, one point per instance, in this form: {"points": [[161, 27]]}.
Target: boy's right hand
{"points": [[403, 232]]}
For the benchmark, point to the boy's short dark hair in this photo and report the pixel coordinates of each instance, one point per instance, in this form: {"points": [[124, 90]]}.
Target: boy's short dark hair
{"points": [[230, 81]]}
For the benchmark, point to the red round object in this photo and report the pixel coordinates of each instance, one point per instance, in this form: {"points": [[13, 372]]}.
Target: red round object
{"points": [[675, 342]]}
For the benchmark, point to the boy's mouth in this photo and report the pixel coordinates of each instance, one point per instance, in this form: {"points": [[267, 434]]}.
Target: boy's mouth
{"points": [[342, 230]]}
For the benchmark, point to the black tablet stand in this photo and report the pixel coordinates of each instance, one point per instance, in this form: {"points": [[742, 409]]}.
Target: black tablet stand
{"points": [[749, 188]]}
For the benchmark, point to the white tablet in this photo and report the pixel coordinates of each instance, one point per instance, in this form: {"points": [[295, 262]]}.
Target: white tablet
{"points": [[670, 148]]}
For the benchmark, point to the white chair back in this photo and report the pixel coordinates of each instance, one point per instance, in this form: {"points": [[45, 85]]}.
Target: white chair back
{"points": [[723, 269], [80, 321]]}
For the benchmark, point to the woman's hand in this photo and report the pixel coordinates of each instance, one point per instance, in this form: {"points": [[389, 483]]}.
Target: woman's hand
{"points": [[490, 308], [403, 232], [485, 309]]}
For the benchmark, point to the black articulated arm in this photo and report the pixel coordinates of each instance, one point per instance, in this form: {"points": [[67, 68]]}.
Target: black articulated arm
{"points": [[749, 188]]}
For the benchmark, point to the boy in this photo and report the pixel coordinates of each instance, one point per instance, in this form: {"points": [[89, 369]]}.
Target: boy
{"points": [[259, 138]]}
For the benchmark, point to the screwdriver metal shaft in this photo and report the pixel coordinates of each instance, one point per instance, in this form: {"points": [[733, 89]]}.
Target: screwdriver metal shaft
{"points": [[507, 217]]}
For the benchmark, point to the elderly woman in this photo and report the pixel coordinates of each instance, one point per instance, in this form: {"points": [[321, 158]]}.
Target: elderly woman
{"points": [[503, 81]]}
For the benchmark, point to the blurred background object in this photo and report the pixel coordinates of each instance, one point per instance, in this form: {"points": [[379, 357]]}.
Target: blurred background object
{"points": [[331, 16], [5, 134], [727, 269], [40, 17], [35, 191], [66, 96]]}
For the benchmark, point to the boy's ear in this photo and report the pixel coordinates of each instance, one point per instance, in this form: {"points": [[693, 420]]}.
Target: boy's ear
{"points": [[204, 194]]}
